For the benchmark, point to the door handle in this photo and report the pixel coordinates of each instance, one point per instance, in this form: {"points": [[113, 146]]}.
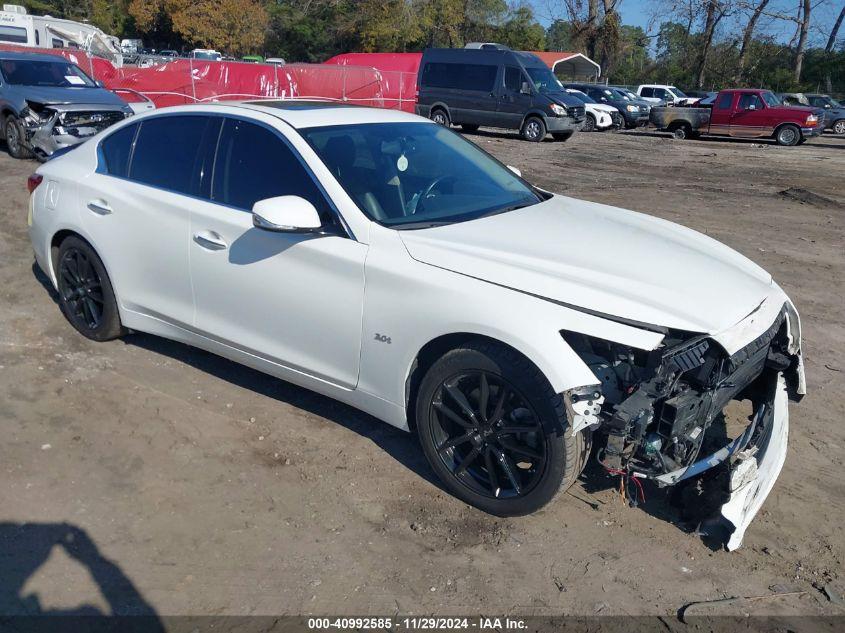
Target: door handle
{"points": [[100, 207], [210, 240]]}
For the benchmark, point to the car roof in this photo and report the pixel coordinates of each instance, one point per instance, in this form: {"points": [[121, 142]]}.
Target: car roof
{"points": [[301, 113], [15, 56]]}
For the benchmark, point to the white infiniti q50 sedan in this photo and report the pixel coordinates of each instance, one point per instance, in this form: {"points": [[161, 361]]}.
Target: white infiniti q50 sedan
{"points": [[382, 260]]}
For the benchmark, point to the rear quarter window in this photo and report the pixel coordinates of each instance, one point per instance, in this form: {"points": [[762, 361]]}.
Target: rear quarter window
{"points": [[724, 101], [115, 150]]}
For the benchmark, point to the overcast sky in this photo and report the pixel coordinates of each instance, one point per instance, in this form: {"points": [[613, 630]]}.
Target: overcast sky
{"points": [[641, 13]]}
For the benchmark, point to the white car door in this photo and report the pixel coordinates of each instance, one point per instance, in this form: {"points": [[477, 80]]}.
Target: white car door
{"points": [[291, 298], [136, 210]]}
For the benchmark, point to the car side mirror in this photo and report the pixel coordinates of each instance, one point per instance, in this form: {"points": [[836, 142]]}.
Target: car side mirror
{"points": [[514, 170], [525, 89], [286, 214]]}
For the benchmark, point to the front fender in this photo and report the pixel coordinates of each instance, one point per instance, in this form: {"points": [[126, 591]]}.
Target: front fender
{"points": [[408, 304]]}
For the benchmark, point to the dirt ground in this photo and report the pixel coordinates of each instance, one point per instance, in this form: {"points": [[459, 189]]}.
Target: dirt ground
{"points": [[145, 476]]}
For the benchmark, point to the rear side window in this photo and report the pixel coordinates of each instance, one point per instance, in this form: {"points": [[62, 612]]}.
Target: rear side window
{"points": [[459, 76], [724, 101], [166, 152], [253, 164], [115, 150], [647, 92], [13, 34]]}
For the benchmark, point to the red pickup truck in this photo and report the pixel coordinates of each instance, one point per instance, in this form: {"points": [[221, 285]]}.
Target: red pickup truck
{"points": [[743, 113]]}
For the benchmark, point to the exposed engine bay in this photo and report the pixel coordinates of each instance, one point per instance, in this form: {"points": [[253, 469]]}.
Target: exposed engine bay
{"points": [[49, 127], [655, 414]]}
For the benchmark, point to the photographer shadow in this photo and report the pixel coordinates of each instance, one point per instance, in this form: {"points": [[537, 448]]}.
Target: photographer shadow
{"points": [[25, 547]]}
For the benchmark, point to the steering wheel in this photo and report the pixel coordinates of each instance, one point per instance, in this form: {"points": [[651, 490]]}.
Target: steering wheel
{"points": [[429, 190]]}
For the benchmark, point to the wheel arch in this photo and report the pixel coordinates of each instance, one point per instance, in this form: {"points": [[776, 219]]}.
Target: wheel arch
{"points": [[440, 105], [780, 126], [436, 347], [56, 240], [534, 112]]}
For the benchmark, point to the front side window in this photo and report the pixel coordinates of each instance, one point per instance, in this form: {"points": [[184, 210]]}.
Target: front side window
{"points": [[647, 92], [415, 175], [513, 79], [167, 152], [746, 101], [48, 74], [660, 93], [115, 150], [253, 164]]}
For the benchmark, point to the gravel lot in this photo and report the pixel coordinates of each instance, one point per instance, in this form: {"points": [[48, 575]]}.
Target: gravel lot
{"points": [[142, 475]]}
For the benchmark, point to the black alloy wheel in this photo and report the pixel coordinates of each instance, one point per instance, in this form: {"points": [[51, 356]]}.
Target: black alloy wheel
{"points": [[81, 289], [488, 435], [86, 296]]}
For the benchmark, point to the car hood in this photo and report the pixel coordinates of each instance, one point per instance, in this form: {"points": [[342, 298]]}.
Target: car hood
{"points": [[56, 96], [602, 259]]}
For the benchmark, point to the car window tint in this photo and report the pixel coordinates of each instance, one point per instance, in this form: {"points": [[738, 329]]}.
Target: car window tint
{"points": [[724, 101], [253, 164], [513, 78], [647, 92], [115, 150], [459, 76], [166, 152]]}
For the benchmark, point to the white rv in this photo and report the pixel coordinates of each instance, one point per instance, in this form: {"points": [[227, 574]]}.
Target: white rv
{"points": [[18, 27]]}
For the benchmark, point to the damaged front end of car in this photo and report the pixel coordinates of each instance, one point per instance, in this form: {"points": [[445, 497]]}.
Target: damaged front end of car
{"points": [[657, 414], [50, 127]]}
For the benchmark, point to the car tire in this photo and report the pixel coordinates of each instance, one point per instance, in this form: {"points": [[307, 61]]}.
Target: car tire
{"points": [[681, 131], [839, 126], [86, 296], [562, 136], [441, 117], [534, 129], [469, 127], [464, 450], [589, 123], [788, 135], [13, 132]]}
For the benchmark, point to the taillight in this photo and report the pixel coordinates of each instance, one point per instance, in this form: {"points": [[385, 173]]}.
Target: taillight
{"points": [[33, 181]]}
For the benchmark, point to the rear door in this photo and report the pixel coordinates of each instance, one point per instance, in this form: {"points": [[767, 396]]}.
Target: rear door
{"points": [[513, 103], [136, 208], [721, 112], [749, 118]]}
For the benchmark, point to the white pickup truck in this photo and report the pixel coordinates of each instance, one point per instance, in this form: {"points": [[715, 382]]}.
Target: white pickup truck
{"points": [[661, 93]]}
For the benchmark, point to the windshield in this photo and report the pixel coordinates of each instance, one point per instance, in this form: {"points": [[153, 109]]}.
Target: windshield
{"points": [[677, 92], [619, 94], [52, 74], [581, 96], [770, 99], [212, 56], [544, 80], [417, 175]]}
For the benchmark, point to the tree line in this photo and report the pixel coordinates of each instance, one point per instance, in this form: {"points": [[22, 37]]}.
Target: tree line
{"points": [[694, 43]]}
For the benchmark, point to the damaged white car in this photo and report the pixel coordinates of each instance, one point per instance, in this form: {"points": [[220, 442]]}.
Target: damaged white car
{"points": [[387, 262], [48, 103]]}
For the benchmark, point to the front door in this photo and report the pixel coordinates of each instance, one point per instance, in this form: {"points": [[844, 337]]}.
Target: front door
{"points": [[290, 298], [513, 102], [749, 118]]}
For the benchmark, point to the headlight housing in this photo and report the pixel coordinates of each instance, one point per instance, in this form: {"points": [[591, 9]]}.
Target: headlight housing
{"points": [[632, 108], [812, 119], [558, 109]]}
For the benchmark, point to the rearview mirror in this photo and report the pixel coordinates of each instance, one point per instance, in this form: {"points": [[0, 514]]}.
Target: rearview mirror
{"points": [[525, 88], [286, 214]]}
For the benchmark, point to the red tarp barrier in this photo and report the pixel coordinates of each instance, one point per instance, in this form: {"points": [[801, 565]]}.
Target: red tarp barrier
{"points": [[185, 81]]}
